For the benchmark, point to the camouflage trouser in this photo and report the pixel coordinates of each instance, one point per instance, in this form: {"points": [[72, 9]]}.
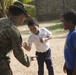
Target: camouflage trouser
{"points": [[5, 67]]}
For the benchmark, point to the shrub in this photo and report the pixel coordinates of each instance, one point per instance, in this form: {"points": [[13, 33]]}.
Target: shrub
{"points": [[31, 10]]}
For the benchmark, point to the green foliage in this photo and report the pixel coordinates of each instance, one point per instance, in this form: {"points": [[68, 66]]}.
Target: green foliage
{"points": [[9, 2], [57, 27], [25, 1], [31, 9]]}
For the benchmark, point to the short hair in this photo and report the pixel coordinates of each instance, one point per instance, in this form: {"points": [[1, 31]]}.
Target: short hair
{"points": [[32, 21], [70, 15]]}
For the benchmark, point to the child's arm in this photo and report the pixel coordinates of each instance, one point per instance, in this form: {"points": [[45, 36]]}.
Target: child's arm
{"points": [[26, 46], [45, 39], [48, 37], [64, 68]]}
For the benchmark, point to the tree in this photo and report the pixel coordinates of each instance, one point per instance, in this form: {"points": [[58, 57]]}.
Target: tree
{"points": [[2, 2], [6, 3], [25, 1], [30, 7]]}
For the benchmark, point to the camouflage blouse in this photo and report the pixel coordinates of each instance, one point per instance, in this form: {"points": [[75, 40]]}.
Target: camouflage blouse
{"points": [[10, 39]]}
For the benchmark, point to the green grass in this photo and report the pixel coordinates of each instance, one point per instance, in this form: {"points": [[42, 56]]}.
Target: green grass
{"points": [[57, 30], [57, 27]]}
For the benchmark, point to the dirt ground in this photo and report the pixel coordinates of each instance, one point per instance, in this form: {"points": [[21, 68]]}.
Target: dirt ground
{"points": [[56, 44]]}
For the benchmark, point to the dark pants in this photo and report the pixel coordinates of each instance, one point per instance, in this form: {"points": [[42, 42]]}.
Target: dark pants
{"points": [[69, 71], [5, 68], [44, 57]]}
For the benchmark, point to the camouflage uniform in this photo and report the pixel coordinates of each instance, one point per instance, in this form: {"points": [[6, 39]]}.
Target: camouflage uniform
{"points": [[10, 39]]}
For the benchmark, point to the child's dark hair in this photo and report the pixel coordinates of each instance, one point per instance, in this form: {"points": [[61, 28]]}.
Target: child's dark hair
{"points": [[70, 15], [32, 21]]}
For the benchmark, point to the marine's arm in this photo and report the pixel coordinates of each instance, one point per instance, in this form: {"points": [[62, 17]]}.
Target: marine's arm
{"points": [[17, 50], [18, 53]]}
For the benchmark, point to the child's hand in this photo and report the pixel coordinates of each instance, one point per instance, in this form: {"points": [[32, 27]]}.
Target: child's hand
{"points": [[33, 58], [64, 68], [42, 40], [26, 46]]}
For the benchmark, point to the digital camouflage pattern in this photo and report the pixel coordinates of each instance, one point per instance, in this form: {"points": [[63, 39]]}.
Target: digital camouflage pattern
{"points": [[10, 39]]}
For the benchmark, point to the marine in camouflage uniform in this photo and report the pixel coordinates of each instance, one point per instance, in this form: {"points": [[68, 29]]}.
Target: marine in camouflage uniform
{"points": [[10, 39]]}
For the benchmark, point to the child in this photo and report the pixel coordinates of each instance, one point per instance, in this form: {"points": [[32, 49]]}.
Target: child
{"points": [[69, 21], [40, 37]]}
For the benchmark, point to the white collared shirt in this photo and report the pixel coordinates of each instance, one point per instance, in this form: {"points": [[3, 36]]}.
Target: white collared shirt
{"points": [[40, 47]]}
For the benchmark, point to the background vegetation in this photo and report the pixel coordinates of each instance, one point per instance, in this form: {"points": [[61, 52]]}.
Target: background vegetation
{"points": [[27, 3]]}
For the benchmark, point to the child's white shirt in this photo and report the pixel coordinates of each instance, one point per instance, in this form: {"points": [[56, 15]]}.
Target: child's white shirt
{"points": [[40, 47]]}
